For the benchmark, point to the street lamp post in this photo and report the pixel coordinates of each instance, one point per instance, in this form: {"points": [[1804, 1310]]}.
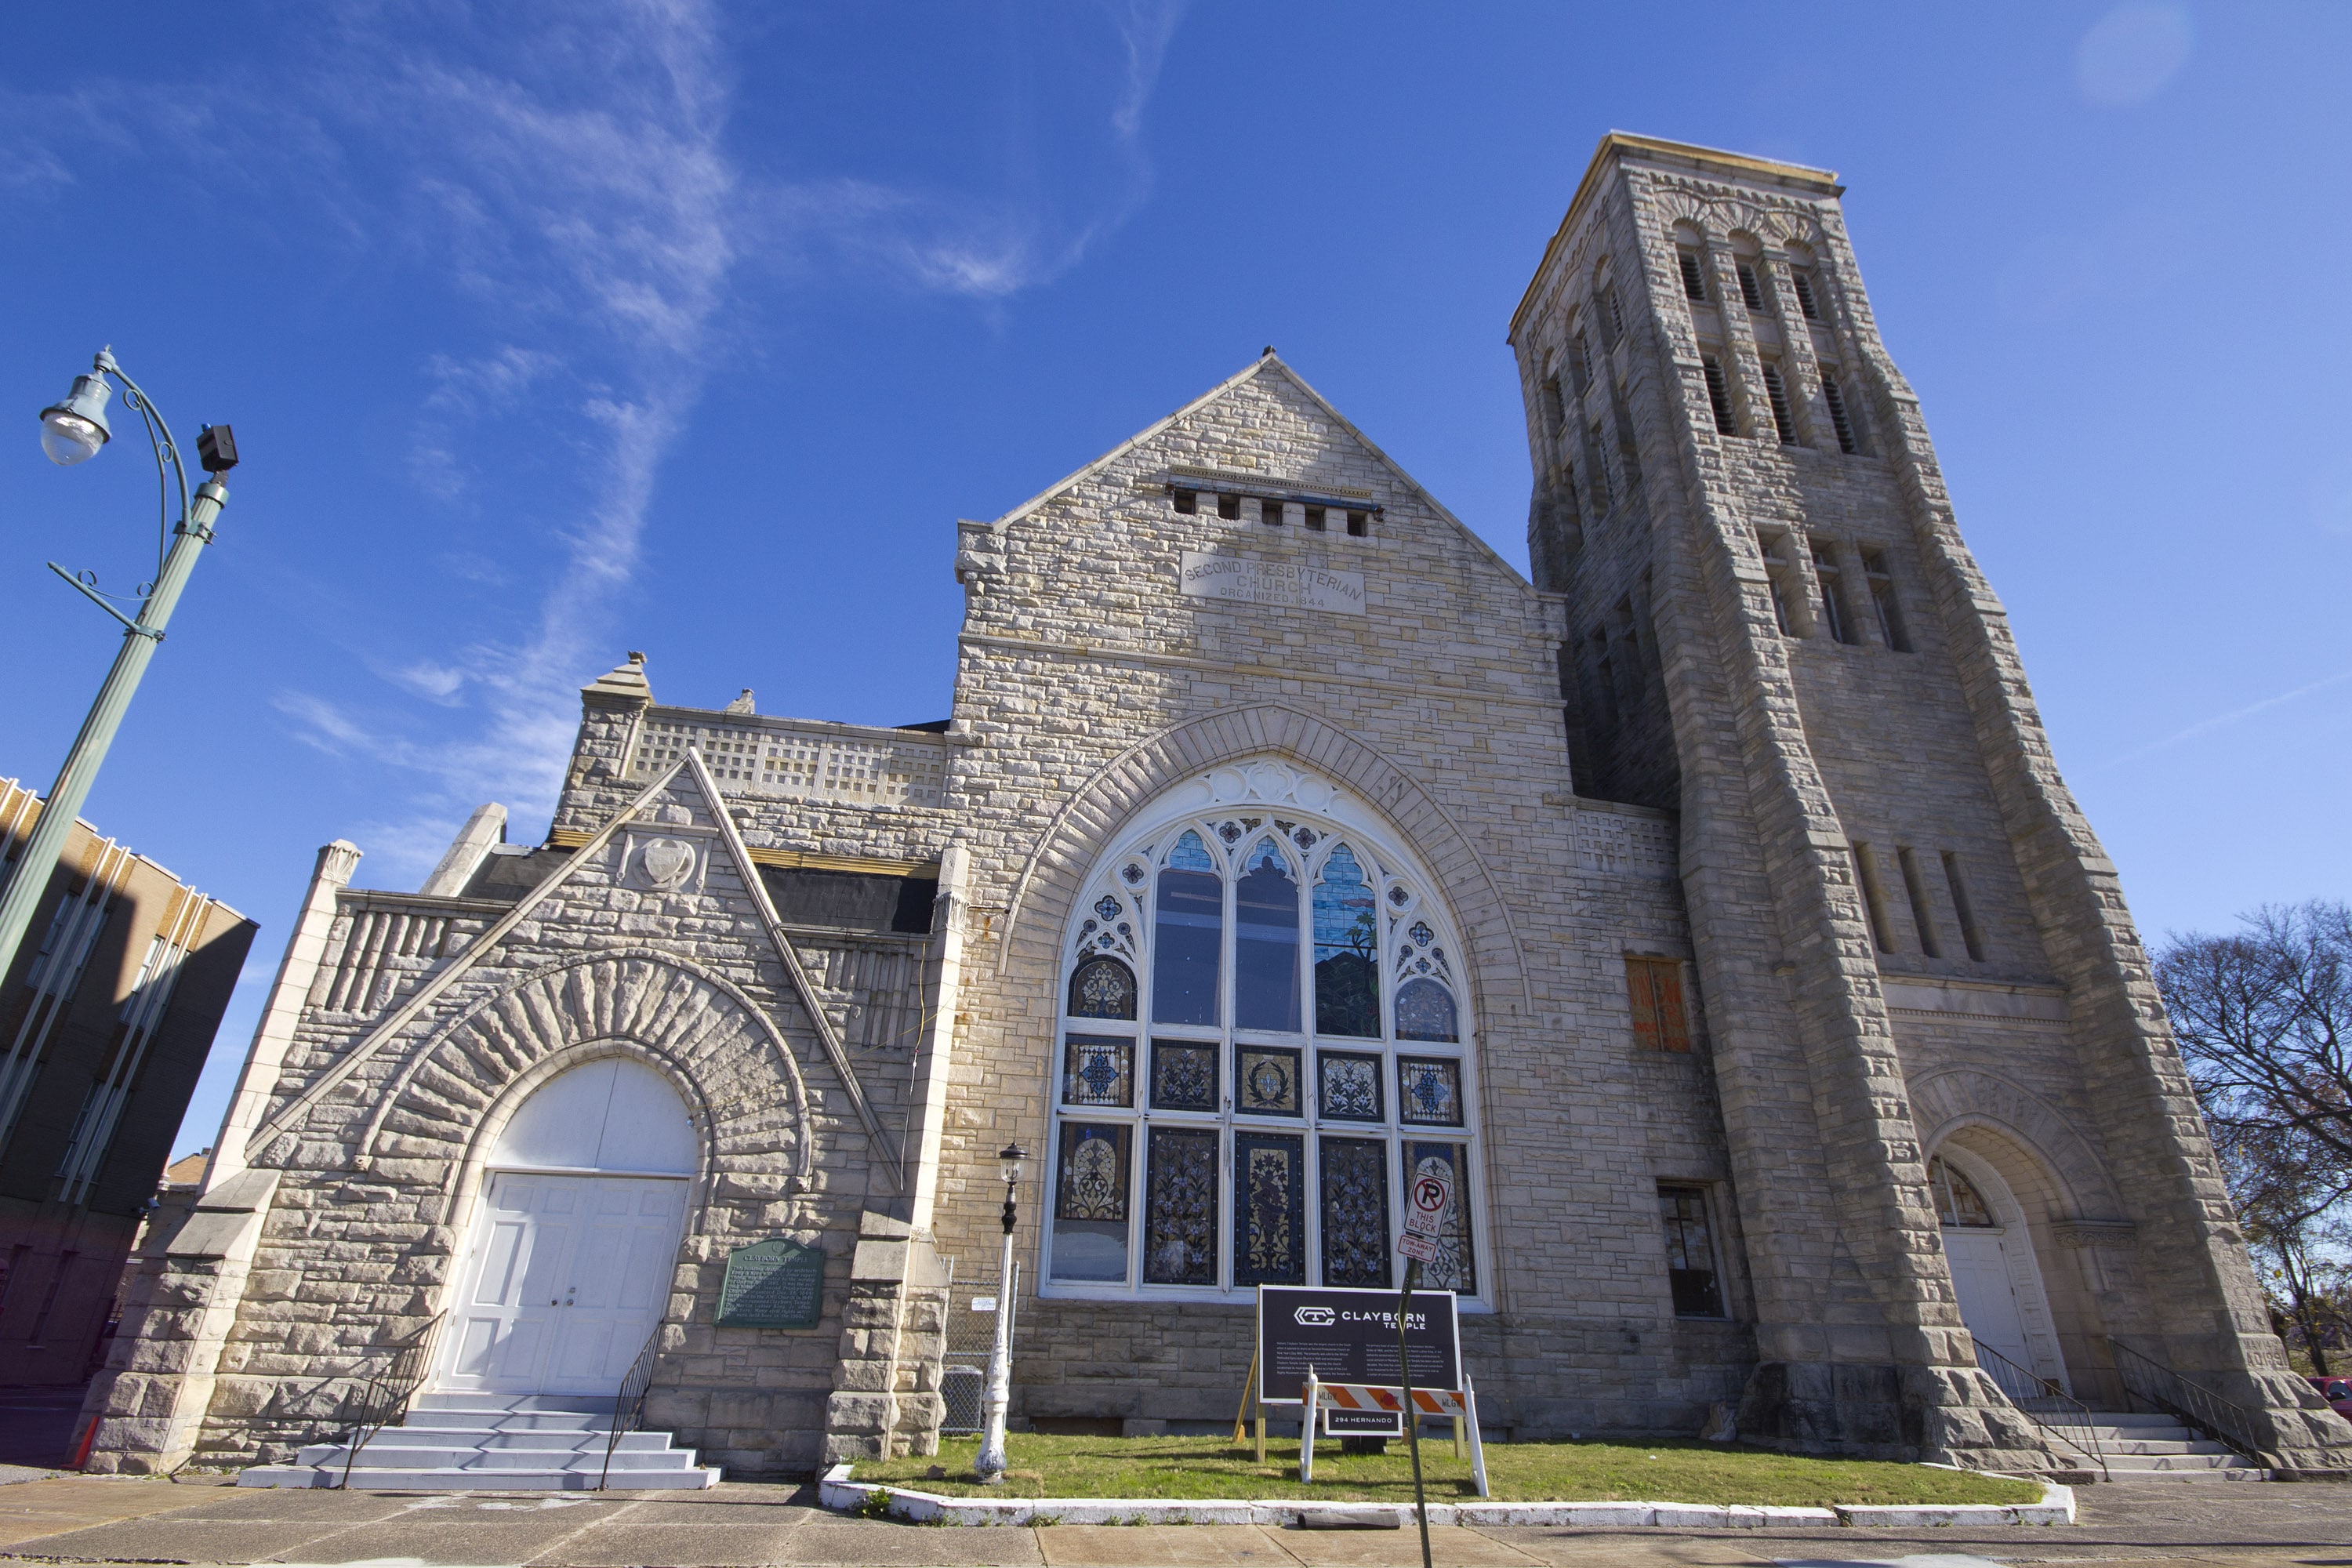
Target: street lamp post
{"points": [[990, 1465], [72, 432]]}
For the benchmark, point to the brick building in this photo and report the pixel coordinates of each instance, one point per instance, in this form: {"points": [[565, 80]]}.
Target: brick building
{"points": [[1709, 908], [106, 1018]]}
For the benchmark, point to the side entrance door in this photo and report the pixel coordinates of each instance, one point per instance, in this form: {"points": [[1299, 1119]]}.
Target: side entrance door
{"points": [[1987, 1299], [566, 1278]]}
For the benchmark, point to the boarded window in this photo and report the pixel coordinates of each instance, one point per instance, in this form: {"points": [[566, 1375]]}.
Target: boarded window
{"points": [[1655, 988]]}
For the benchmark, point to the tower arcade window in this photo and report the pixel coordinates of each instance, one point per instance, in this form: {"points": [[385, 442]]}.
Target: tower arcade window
{"points": [[1555, 406], [1776, 392], [1883, 602], [1839, 420], [1295, 1056], [1694, 280], [1837, 615], [1691, 1274], [1719, 396], [1751, 291], [1801, 281]]}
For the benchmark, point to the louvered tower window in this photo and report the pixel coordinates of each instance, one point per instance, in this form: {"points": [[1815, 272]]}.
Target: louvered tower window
{"points": [[1838, 418], [1751, 291], [1555, 408], [1694, 280], [1784, 423], [1804, 284], [1719, 398]]}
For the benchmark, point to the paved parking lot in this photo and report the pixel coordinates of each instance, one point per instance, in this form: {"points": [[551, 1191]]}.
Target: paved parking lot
{"points": [[73, 1519]]}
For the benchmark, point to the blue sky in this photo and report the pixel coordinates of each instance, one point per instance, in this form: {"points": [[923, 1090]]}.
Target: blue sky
{"points": [[554, 331]]}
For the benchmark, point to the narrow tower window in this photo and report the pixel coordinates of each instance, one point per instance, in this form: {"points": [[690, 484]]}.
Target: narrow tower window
{"points": [[1613, 320], [1751, 291], [1874, 897], [1964, 907], [1803, 281], [1915, 888], [1555, 407], [1883, 602], [1835, 615], [1719, 398], [1784, 423], [1776, 576], [1579, 364], [1694, 280], [1838, 419], [1690, 1252], [1598, 473]]}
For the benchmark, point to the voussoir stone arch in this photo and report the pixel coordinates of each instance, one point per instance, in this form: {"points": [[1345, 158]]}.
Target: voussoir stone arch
{"points": [[1942, 1104], [718, 1046], [1054, 875]]}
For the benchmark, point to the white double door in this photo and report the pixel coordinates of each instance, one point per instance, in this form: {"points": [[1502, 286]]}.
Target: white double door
{"points": [[566, 1278]]}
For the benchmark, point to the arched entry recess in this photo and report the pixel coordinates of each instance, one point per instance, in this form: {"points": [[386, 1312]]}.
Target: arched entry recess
{"points": [[571, 1252], [1994, 1272]]}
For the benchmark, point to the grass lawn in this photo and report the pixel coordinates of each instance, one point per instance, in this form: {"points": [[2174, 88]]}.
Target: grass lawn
{"points": [[1519, 1472]]}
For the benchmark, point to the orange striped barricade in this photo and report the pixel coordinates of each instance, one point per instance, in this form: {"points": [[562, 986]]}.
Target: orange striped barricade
{"points": [[1462, 1403]]}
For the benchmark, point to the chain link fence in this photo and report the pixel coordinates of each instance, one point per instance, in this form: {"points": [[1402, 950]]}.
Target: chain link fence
{"points": [[972, 1306]]}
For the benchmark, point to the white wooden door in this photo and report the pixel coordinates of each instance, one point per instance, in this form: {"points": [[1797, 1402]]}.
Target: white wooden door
{"points": [[566, 1278], [1980, 1277]]}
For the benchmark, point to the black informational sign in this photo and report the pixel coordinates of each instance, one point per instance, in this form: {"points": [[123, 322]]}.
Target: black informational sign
{"points": [[1351, 1336], [776, 1284]]}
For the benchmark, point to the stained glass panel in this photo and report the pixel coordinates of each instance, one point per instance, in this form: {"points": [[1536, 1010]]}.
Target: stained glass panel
{"points": [[1429, 1091], [1102, 988], [1455, 1266], [1265, 942], [1348, 1087], [1424, 1011], [1355, 1212], [1097, 1070], [1266, 1080], [1180, 1221], [1183, 1075], [1269, 1209], [1090, 1225], [1188, 937], [1347, 950]]}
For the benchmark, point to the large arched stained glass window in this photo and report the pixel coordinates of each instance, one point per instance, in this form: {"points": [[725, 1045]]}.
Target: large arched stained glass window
{"points": [[1264, 1037]]}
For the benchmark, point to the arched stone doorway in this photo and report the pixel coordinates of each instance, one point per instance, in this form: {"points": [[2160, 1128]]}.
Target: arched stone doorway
{"points": [[570, 1257], [1995, 1274]]}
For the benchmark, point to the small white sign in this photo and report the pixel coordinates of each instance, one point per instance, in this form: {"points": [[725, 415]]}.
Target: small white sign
{"points": [[1424, 1248], [983, 1303], [1216, 575], [1431, 1195]]}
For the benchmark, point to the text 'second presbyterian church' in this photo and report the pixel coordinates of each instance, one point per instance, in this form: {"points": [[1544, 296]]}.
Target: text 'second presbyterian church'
{"points": [[1710, 910]]}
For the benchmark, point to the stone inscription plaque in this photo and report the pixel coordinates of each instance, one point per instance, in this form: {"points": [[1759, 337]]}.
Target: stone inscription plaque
{"points": [[1214, 574], [772, 1284]]}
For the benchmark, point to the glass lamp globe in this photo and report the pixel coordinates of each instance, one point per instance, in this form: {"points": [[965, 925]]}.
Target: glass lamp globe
{"points": [[68, 438]]}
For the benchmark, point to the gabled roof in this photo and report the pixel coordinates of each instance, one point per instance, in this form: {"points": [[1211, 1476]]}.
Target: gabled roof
{"points": [[692, 775], [1266, 363]]}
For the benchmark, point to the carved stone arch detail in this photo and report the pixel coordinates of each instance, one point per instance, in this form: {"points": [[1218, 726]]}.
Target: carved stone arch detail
{"points": [[1053, 876], [725, 1052], [1944, 1103]]}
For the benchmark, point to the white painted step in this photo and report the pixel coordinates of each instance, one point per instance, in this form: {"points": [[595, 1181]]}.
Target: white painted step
{"points": [[472, 1442]]}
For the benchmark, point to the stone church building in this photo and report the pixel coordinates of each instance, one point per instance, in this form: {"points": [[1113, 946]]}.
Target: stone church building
{"points": [[1709, 908]]}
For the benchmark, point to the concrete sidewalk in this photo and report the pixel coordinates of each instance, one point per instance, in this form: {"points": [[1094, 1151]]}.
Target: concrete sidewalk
{"points": [[87, 1519]]}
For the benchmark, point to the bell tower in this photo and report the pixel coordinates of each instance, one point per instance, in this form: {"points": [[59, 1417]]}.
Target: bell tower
{"points": [[1906, 932]]}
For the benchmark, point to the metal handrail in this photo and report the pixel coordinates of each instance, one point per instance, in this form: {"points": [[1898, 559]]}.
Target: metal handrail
{"points": [[632, 1399], [385, 1398], [2151, 1382], [2058, 1413]]}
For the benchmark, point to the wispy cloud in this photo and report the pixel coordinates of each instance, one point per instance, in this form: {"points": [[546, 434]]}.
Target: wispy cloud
{"points": [[2223, 720], [568, 168]]}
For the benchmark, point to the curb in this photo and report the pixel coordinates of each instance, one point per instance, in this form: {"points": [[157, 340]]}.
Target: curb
{"points": [[838, 1491]]}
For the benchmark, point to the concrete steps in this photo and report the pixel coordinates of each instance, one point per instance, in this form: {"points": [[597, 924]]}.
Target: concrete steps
{"points": [[478, 1442], [2156, 1448]]}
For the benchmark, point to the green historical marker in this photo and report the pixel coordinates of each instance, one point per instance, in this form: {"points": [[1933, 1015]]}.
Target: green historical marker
{"points": [[772, 1284]]}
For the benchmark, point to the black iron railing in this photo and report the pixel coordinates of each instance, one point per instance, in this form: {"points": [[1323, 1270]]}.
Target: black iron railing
{"points": [[2063, 1418], [383, 1400], [2151, 1383], [629, 1405]]}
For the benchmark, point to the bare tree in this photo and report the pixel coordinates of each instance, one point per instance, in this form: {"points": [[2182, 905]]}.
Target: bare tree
{"points": [[2264, 1021]]}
